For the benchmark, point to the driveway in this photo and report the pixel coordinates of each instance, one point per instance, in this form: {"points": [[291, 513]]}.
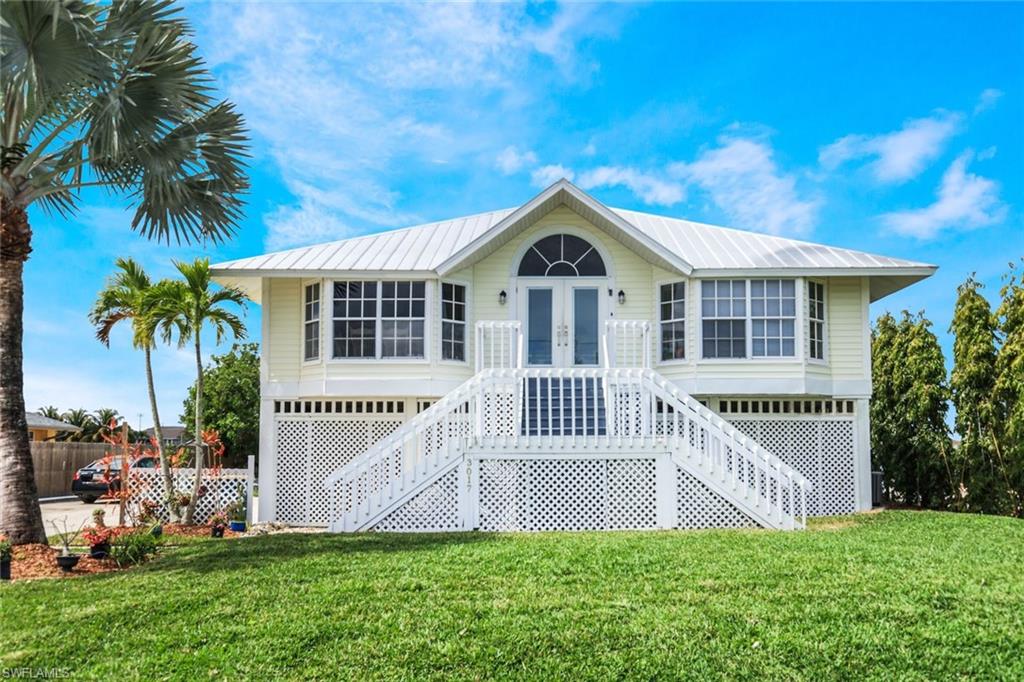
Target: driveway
{"points": [[77, 512]]}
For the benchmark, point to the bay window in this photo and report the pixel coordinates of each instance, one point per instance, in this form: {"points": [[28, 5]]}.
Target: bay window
{"points": [[748, 318], [379, 319]]}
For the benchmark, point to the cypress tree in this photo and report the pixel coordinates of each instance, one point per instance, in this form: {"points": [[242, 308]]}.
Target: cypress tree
{"points": [[1009, 388], [972, 384], [909, 437]]}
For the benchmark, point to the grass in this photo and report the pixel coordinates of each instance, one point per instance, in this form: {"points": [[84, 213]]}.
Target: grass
{"points": [[908, 595]]}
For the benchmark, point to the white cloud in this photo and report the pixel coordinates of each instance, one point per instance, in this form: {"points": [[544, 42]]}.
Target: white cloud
{"points": [[987, 153], [899, 155], [353, 99], [988, 99], [548, 175], [511, 161], [742, 178], [650, 189], [964, 201], [590, 149]]}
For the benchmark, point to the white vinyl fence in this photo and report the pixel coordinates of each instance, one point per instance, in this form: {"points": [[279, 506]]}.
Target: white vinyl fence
{"points": [[219, 488]]}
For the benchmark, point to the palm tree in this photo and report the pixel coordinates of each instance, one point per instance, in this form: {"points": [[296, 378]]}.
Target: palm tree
{"points": [[104, 417], [186, 308], [84, 420], [130, 295], [111, 95], [50, 411]]}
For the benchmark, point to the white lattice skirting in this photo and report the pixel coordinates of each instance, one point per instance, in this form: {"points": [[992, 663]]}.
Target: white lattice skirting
{"points": [[219, 488], [573, 492], [309, 449], [822, 449]]}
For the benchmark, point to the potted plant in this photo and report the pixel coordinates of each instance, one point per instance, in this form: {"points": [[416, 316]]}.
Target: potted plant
{"points": [[98, 518], [99, 541], [66, 560], [218, 522], [149, 513], [5, 558], [236, 512]]}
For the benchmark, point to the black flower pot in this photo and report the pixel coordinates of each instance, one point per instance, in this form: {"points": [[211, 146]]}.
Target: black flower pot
{"points": [[5, 569], [217, 531], [68, 562], [156, 531], [100, 550]]}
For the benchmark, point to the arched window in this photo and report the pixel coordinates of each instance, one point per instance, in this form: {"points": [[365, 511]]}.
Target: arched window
{"points": [[562, 255]]}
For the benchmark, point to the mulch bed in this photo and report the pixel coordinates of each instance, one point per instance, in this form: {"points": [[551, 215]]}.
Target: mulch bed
{"points": [[29, 562]]}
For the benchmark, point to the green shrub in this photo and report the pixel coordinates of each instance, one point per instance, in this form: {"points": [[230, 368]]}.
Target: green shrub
{"points": [[133, 548]]}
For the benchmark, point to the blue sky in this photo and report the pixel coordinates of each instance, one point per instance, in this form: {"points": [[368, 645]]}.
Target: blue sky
{"points": [[894, 129]]}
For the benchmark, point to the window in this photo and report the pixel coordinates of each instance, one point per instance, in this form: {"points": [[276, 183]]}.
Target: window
{"points": [[355, 319], [723, 305], [453, 321], [403, 315], [673, 321], [311, 323], [816, 319], [773, 318], [392, 312], [562, 255]]}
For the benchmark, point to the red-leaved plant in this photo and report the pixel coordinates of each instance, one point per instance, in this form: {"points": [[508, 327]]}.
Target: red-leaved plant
{"points": [[97, 536]]}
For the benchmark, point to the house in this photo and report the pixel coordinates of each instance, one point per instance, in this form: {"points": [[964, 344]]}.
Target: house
{"points": [[41, 427], [565, 365], [174, 436]]}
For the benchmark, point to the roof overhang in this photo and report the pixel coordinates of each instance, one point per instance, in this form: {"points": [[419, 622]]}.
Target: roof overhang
{"points": [[882, 281], [564, 193]]}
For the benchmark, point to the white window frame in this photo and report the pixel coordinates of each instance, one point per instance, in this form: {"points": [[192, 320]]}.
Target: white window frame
{"points": [[823, 360], [780, 317], [745, 319], [319, 320], [466, 323], [687, 299], [378, 322], [797, 357], [393, 318]]}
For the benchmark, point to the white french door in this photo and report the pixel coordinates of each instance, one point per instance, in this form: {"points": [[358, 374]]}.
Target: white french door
{"points": [[562, 320]]}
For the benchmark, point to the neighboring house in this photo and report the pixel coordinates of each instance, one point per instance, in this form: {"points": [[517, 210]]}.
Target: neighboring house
{"points": [[174, 436], [565, 365], [41, 427]]}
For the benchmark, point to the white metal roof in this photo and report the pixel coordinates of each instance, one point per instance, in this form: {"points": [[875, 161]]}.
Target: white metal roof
{"points": [[672, 243]]}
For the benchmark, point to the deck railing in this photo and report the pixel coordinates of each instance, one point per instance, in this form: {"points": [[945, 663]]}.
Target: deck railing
{"points": [[499, 344]]}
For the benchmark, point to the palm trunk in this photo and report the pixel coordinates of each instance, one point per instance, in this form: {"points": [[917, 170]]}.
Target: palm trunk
{"points": [[20, 518], [196, 434], [165, 465]]}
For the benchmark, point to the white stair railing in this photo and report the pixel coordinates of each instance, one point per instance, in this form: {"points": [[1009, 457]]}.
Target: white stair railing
{"points": [[531, 409]]}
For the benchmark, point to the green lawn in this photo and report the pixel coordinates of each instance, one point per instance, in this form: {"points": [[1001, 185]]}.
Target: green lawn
{"points": [[893, 595]]}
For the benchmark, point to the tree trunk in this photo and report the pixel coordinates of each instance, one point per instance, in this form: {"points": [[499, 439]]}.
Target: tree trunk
{"points": [[158, 432], [20, 518], [197, 432]]}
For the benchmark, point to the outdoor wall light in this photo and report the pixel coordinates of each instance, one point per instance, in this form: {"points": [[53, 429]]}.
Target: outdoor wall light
{"points": [[622, 297], [502, 297]]}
